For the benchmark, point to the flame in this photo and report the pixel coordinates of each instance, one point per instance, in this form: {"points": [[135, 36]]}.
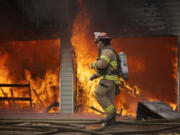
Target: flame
{"points": [[134, 91], [84, 57], [145, 82], [86, 53], [34, 62], [20, 63], [174, 106], [44, 91], [3, 70]]}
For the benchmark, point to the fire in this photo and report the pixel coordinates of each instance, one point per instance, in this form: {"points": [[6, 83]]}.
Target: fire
{"points": [[150, 77], [152, 67], [174, 106], [34, 62], [86, 53], [44, 91], [134, 91], [3, 71], [152, 70]]}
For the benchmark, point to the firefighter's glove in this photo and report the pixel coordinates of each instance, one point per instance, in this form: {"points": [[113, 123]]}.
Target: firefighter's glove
{"points": [[93, 65], [122, 84], [94, 76], [125, 78]]}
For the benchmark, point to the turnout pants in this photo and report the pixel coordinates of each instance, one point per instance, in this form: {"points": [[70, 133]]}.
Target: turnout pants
{"points": [[104, 95]]}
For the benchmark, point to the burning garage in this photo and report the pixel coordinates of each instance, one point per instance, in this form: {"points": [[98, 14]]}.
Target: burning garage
{"points": [[47, 47]]}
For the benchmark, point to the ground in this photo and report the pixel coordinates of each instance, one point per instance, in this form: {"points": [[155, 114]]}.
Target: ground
{"points": [[58, 124]]}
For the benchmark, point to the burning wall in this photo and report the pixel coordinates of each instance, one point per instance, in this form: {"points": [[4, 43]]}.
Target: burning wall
{"points": [[36, 62]]}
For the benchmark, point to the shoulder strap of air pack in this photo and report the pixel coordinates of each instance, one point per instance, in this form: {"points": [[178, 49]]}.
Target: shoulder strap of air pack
{"points": [[118, 61]]}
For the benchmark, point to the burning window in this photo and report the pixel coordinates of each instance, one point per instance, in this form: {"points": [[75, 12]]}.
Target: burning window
{"points": [[30, 62]]}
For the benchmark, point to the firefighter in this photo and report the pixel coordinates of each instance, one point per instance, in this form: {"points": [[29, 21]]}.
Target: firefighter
{"points": [[106, 67]]}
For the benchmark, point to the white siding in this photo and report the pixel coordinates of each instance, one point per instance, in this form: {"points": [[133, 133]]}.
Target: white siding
{"points": [[66, 80]]}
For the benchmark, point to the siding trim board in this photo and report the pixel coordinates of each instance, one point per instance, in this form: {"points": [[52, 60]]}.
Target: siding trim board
{"points": [[66, 79]]}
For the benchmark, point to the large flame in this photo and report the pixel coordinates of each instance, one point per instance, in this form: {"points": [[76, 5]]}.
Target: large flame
{"points": [[152, 67], [86, 53], [34, 62]]}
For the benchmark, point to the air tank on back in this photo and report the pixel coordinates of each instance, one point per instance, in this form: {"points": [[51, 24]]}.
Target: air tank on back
{"points": [[123, 64]]}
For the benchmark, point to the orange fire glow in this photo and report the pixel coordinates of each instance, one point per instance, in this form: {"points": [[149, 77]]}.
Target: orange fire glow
{"points": [[34, 62], [152, 64], [149, 71], [86, 52]]}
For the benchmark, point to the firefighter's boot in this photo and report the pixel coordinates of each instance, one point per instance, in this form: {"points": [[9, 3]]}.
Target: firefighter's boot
{"points": [[110, 118]]}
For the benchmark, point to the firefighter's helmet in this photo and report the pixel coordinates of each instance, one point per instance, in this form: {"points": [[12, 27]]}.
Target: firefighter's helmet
{"points": [[100, 36]]}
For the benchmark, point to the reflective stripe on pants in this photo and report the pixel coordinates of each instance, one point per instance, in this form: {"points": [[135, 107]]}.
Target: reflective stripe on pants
{"points": [[109, 108]]}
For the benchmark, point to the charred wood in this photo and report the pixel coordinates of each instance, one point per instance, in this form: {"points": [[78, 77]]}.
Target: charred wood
{"points": [[15, 98], [14, 85]]}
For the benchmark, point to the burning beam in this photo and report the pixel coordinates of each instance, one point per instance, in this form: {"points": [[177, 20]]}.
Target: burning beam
{"points": [[38, 97], [5, 95], [14, 85], [12, 93], [17, 98]]}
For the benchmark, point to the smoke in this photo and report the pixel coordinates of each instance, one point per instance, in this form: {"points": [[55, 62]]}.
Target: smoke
{"points": [[47, 14], [111, 16]]}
